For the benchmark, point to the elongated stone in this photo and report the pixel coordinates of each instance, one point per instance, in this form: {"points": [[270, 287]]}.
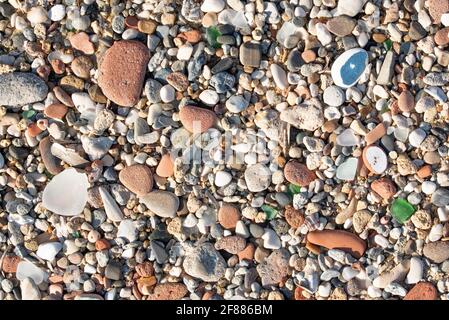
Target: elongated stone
{"points": [[338, 239]]}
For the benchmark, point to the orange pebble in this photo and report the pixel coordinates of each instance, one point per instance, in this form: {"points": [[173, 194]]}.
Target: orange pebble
{"points": [[33, 130], [102, 244], [424, 171]]}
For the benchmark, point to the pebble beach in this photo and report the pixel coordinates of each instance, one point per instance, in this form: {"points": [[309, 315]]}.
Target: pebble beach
{"points": [[224, 150]]}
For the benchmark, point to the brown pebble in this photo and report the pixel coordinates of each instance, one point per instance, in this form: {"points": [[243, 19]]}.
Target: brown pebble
{"points": [[168, 291], [58, 66], [228, 216], [293, 217], [81, 66], [122, 72], [195, 119], [422, 291], [52, 164], [131, 22], [137, 178], [63, 97], [298, 173], [10, 263], [406, 101], [384, 187], [145, 269], [56, 111], [178, 81], [165, 167]]}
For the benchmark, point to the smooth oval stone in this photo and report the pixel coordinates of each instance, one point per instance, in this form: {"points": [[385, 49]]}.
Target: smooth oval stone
{"points": [[437, 251], [338, 239], [298, 174], [348, 67], [257, 177], [279, 76], [165, 167], [122, 72], [52, 164], [195, 119], [26, 269], [162, 203], [236, 104], [375, 159], [19, 88], [347, 138], [384, 187], [66, 194], [137, 178], [348, 169], [48, 251]]}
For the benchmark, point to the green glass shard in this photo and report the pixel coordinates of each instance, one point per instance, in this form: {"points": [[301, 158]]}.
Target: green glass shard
{"points": [[269, 211], [401, 210], [212, 34]]}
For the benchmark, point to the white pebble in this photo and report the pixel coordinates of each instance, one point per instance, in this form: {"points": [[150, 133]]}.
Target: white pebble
{"points": [[167, 93]]}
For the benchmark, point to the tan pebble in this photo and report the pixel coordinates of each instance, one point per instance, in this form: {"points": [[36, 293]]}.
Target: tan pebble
{"points": [[228, 216], [308, 56], [209, 19], [81, 67], [146, 26], [62, 96], [231, 244], [437, 8], [298, 173]]}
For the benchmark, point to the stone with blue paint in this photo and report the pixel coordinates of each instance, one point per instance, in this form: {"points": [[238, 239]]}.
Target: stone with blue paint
{"points": [[349, 67]]}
